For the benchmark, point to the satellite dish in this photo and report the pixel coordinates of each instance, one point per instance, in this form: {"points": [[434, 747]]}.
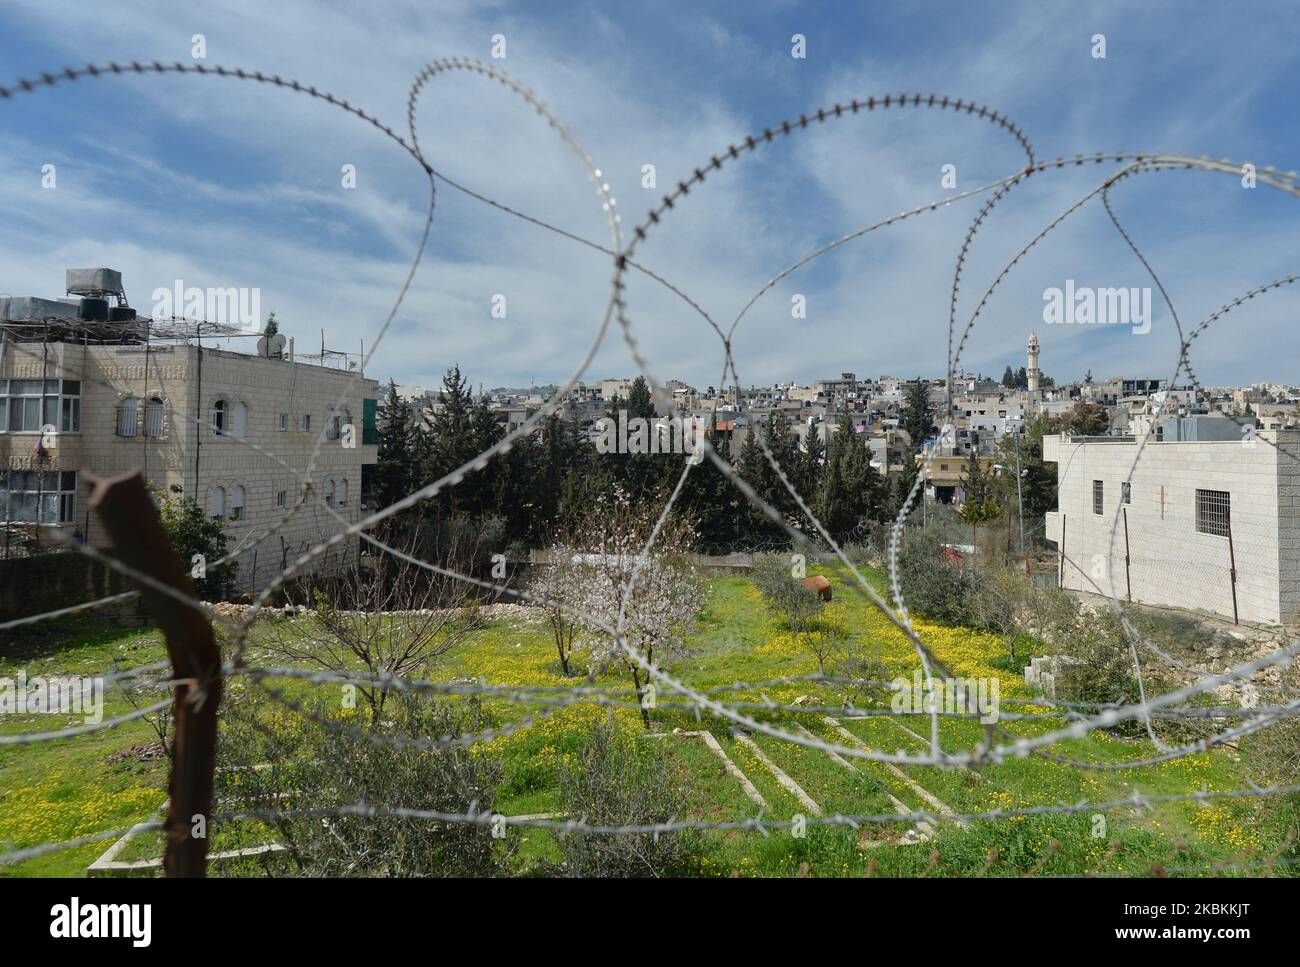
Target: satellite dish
{"points": [[271, 345]]}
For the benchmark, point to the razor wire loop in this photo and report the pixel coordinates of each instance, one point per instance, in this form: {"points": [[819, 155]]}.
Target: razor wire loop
{"points": [[1081, 718]]}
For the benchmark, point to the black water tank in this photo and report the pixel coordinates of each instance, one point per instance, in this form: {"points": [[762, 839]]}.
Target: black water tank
{"points": [[121, 314], [93, 310]]}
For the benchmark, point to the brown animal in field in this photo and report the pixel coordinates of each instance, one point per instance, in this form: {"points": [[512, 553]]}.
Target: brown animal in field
{"points": [[820, 585]]}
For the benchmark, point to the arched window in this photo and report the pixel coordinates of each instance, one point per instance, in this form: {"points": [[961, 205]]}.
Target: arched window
{"points": [[237, 503], [239, 421], [126, 416], [220, 418], [329, 493], [217, 503], [154, 411], [342, 497]]}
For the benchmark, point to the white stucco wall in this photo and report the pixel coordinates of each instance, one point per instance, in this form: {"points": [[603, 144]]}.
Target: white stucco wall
{"points": [[1171, 563]]}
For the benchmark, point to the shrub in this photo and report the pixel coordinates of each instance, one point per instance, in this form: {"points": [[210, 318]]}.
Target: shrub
{"points": [[1103, 671], [1273, 752], [785, 594], [870, 673], [614, 782], [307, 765], [934, 586], [193, 533], [768, 571]]}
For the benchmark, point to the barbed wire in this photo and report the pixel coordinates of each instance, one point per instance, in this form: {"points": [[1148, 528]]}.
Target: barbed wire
{"points": [[1080, 718]]}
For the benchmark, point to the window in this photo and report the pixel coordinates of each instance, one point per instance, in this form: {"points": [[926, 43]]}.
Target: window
{"points": [[281, 498], [217, 503], [329, 493], [239, 421], [220, 418], [1098, 501], [1213, 512], [284, 422], [306, 423], [38, 497], [342, 498], [237, 503], [30, 405], [337, 422], [154, 412], [71, 411], [1126, 492], [127, 423]]}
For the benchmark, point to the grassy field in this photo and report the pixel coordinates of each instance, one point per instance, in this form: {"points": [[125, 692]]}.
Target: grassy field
{"points": [[56, 791]]}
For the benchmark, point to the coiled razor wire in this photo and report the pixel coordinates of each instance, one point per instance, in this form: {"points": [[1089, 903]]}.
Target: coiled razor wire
{"points": [[1079, 718]]}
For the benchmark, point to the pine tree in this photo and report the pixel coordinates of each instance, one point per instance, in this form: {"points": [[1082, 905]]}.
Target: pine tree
{"points": [[752, 465], [485, 490], [976, 481], [451, 438], [640, 401], [851, 491], [785, 450], [808, 473], [557, 452], [981, 504], [711, 500], [395, 468], [918, 414], [917, 420]]}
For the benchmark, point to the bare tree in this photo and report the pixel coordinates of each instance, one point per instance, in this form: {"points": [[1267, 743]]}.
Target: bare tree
{"points": [[384, 615], [554, 583], [160, 721]]}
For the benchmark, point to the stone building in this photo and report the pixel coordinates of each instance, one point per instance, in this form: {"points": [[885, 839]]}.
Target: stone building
{"points": [[234, 430], [1210, 525]]}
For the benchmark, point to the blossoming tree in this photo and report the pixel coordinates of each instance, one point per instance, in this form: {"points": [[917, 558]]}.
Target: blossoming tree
{"points": [[655, 599]]}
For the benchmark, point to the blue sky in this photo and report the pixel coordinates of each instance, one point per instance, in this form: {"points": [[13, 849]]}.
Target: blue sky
{"points": [[224, 183]]}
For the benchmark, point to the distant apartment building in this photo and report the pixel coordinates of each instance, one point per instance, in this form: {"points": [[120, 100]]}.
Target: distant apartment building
{"points": [[1206, 524], [1111, 391], [845, 386], [233, 430]]}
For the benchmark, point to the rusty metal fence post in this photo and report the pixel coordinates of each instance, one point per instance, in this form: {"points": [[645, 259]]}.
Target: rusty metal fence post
{"points": [[1128, 575], [1060, 580], [1232, 562], [140, 541]]}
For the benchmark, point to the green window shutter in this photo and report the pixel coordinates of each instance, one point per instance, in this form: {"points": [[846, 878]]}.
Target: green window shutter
{"points": [[369, 431]]}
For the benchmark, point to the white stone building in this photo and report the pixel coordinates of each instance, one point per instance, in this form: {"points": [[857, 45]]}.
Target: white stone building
{"points": [[1203, 520], [233, 430]]}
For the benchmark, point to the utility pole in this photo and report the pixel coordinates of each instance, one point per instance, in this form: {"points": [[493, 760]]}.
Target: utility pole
{"points": [[1020, 500]]}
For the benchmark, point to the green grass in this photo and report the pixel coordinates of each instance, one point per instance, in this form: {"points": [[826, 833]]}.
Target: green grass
{"points": [[56, 791]]}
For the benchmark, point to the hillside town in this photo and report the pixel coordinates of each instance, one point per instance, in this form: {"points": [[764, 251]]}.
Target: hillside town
{"points": [[985, 411], [89, 386]]}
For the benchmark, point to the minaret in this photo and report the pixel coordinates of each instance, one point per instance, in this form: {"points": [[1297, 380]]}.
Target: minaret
{"points": [[1031, 371]]}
